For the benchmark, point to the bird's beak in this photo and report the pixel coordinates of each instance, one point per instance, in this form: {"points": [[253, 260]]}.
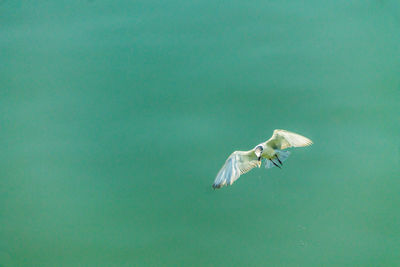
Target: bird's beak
{"points": [[259, 162]]}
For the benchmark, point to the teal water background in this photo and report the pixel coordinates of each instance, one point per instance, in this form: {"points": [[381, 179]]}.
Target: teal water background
{"points": [[115, 117]]}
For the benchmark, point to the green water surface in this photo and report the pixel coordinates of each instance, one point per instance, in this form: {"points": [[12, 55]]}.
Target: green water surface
{"points": [[115, 117]]}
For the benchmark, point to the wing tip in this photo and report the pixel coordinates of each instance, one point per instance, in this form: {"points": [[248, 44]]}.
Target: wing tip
{"points": [[307, 143], [216, 186]]}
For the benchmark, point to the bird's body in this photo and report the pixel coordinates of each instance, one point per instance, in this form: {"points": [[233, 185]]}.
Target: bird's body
{"points": [[268, 152], [240, 162]]}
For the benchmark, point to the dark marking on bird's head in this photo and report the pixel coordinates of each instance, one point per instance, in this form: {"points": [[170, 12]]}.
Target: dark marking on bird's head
{"points": [[258, 151]]}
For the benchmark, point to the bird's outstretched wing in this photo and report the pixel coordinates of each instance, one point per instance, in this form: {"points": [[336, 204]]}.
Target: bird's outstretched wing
{"points": [[238, 163], [282, 139]]}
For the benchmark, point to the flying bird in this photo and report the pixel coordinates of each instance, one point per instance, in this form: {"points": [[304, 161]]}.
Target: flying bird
{"points": [[240, 162]]}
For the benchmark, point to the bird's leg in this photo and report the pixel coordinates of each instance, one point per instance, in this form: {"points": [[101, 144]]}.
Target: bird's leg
{"points": [[275, 164], [278, 159]]}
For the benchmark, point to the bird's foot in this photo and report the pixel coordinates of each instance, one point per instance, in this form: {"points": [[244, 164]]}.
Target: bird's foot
{"points": [[279, 160], [275, 164]]}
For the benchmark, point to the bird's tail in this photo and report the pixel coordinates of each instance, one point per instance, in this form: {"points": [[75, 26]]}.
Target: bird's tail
{"points": [[282, 155]]}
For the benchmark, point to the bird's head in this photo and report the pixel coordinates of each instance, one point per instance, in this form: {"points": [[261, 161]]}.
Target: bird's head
{"points": [[258, 150]]}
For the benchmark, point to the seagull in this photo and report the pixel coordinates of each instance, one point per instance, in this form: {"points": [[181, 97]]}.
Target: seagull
{"points": [[240, 162]]}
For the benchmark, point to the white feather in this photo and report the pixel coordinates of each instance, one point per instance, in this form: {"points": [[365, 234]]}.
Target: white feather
{"points": [[240, 162], [282, 139]]}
